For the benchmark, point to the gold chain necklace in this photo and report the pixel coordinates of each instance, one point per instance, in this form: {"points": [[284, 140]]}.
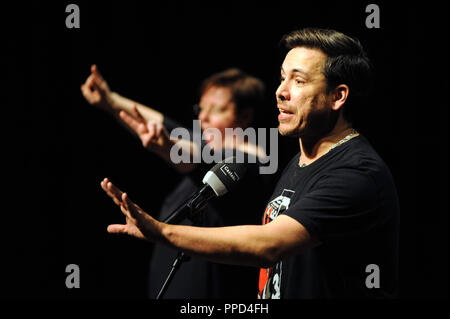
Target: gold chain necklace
{"points": [[345, 139]]}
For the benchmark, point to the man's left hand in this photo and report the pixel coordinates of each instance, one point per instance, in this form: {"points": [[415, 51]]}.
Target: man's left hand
{"points": [[139, 224]]}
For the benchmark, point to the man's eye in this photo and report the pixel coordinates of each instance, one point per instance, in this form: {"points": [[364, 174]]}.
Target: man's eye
{"points": [[281, 78], [299, 81]]}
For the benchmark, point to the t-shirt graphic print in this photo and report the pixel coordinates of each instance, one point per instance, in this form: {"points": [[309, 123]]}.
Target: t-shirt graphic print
{"points": [[270, 278]]}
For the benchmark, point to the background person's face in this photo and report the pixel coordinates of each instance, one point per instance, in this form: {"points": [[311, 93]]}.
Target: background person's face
{"points": [[301, 97], [217, 111]]}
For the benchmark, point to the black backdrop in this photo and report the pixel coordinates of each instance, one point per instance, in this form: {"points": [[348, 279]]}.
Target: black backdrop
{"points": [[57, 148]]}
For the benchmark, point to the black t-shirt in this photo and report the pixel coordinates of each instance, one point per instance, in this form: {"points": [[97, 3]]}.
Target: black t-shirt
{"points": [[346, 199], [198, 278]]}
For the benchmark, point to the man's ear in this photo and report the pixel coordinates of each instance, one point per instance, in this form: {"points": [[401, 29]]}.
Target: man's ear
{"points": [[339, 96]]}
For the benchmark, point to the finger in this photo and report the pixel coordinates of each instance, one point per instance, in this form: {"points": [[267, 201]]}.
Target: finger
{"points": [[134, 124], [96, 84], [112, 191], [129, 120], [87, 93], [125, 211], [137, 113], [90, 81], [103, 184], [98, 78], [151, 128], [159, 129], [110, 194], [129, 206], [125, 207], [94, 70], [125, 201], [117, 229], [91, 86]]}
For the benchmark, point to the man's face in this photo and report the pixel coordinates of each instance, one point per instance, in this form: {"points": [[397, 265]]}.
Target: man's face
{"points": [[217, 111], [304, 106]]}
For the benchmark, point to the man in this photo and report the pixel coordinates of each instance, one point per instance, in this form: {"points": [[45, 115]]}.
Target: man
{"points": [[334, 212]]}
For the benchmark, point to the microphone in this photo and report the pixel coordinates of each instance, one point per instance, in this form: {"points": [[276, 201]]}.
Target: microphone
{"points": [[218, 181]]}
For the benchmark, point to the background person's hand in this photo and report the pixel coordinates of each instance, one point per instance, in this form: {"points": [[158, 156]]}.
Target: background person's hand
{"points": [[152, 134], [96, 90], [138, 224]]}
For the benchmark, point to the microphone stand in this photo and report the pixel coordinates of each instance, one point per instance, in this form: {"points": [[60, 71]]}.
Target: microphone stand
{"points": [[181, 257], [193, 207]]}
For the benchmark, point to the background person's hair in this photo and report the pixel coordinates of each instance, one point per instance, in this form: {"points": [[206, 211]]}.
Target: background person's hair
{"points": [[346, 63], [247, 91]]}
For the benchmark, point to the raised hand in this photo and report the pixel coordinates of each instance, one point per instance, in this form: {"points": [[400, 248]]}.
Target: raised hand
{"points": [[138, 224], [152, 134], [96, 90]]}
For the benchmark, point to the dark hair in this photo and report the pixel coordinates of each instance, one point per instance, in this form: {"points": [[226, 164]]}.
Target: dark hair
{"points": [[346, 62], [247, 91]]}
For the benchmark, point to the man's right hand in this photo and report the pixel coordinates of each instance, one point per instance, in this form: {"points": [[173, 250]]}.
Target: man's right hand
{"points": [[96, 90]]}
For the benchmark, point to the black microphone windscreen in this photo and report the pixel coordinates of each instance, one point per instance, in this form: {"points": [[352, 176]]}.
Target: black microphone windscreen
{"points": [[229, 172]]}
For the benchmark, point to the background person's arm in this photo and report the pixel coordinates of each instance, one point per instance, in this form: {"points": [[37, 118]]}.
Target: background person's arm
{"points": [[156, 139], [139, 119], [97, 92]]}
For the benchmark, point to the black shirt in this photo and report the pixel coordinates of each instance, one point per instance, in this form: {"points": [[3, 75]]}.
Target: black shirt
{"points": [[346, 199], [198, 278]]}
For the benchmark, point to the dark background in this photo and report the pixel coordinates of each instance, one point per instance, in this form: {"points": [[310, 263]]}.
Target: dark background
{"points": [[57, 148]]}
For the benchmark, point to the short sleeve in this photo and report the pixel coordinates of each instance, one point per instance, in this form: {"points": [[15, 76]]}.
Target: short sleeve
{"points": [[342, 204]]}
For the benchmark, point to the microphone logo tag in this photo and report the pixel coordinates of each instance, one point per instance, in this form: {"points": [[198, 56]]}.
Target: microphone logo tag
{"points": [[226, 171]]}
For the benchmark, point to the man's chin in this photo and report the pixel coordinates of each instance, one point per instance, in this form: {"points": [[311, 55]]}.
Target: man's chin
{"points": [[288, 132]]}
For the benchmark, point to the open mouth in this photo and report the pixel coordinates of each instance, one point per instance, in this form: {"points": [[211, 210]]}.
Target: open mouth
{"points": [[284, 114], [283, 109]]}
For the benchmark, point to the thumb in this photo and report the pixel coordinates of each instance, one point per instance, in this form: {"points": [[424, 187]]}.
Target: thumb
{"points": [[98, 78], [117, 229], [94, 68]]}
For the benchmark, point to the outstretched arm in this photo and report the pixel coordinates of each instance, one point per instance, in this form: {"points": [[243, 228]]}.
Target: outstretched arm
{"points": [[97, 92], [141, 120], [252, 245]]}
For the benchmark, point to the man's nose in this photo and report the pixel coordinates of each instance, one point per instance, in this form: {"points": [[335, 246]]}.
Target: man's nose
{"points": [[282, 92]]}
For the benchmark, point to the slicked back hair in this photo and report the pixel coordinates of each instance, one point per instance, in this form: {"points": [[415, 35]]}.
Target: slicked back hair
{"points": [[346, 62]]}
